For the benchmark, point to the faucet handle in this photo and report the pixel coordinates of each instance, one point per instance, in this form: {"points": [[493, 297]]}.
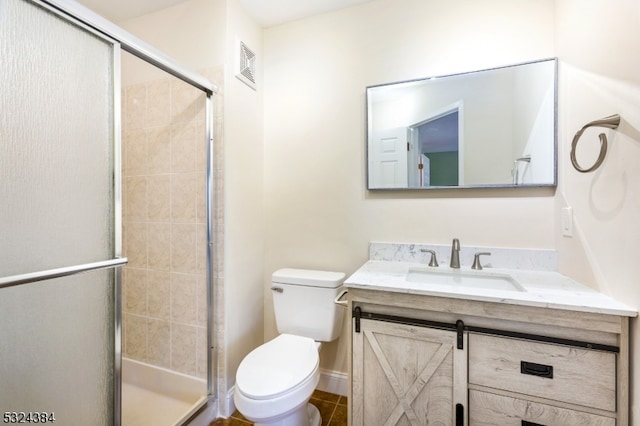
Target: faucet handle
{"points": [[433, 262], [476, 260]]}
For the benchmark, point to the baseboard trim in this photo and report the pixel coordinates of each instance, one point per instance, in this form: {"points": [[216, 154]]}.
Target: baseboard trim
{"points": [[333, 382], [227, 406]]}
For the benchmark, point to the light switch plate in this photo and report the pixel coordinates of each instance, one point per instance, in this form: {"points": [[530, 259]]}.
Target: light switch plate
{"points": [[567, 221]]}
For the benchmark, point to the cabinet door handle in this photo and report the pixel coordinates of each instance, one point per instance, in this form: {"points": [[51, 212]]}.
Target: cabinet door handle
{"points": [[459, 415], [538, 370], [526, 423]]}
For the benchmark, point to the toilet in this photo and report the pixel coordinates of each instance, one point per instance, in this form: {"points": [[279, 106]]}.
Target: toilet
{"points": [[274, 382]]}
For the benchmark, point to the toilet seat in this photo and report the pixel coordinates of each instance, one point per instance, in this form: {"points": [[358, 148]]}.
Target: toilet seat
{"points": [[277, 367]]}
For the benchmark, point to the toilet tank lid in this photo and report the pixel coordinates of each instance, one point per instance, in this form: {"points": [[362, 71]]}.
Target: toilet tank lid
{"points": [[308, 277]]}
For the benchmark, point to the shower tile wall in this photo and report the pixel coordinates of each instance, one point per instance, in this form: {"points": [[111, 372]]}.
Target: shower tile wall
{"points": [[164, 174]]}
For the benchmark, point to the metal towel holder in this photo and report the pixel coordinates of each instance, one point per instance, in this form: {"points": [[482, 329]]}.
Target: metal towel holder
{"points": [[611, 122]]}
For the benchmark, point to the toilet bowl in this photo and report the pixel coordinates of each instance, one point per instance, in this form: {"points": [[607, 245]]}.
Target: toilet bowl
{"points": [[275, 381]]}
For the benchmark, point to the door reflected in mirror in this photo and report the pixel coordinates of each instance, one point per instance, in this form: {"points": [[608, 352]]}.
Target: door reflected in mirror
{"points": [[488, 128]]}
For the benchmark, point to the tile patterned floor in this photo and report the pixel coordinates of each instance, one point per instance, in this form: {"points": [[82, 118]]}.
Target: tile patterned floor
{"points": [[333, 409]]}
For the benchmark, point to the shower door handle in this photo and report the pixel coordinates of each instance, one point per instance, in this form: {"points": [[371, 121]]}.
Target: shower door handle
{"points": [[32, 277]]}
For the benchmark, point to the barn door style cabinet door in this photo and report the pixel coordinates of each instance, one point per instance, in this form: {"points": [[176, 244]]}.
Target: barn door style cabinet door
{"points": [[406, 374]]}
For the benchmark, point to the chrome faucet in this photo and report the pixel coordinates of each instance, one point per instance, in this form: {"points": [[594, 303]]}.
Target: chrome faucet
{"points": [[476, 260], [455, 254], [434, 261]]}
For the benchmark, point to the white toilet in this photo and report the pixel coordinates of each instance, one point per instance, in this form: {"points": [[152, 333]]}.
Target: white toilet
{"points": [[275, 381]]}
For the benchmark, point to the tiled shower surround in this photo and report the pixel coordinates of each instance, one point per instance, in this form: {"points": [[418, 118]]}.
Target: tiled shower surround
{"points": [[164, 229]]}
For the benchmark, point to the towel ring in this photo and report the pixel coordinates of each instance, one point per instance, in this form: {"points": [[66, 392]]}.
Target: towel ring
{"points": [[611, 122]]}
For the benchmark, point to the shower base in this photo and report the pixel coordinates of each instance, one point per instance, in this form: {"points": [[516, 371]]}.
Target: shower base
{"points": [[159, 397]]}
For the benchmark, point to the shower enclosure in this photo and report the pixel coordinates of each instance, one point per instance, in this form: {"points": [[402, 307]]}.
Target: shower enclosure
{"points": [[165, 239], [61, 229]]}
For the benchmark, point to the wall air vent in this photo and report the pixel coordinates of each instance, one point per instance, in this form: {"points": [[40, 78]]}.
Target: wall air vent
{"points": [[246, 65]]}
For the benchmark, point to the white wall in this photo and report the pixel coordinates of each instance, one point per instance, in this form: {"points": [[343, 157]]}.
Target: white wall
{"points": [[600, 76], [244, 214], [318, 212], [190, 32]]}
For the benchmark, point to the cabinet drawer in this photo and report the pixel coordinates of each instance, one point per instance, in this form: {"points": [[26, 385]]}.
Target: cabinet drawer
{"points": [[556, 372], [486, 409]]}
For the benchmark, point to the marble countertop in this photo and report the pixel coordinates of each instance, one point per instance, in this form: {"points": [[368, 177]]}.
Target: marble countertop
{"points": [[546, 289]]}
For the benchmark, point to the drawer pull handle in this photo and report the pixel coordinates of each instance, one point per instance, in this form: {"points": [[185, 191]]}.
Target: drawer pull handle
{"points": [[538, 370], [526, 423]]}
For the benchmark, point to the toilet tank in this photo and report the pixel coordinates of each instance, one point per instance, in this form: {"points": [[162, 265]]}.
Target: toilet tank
{"points": [[303, 303]]}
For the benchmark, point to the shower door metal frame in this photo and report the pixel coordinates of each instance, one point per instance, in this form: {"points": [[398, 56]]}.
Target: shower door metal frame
{"points": [[121, 39]]}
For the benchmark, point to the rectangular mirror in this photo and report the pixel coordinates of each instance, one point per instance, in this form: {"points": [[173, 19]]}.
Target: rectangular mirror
{"points": [[488, 128]]}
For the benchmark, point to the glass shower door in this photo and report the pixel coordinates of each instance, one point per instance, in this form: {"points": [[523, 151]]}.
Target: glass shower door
{"points": [[59, 220]]}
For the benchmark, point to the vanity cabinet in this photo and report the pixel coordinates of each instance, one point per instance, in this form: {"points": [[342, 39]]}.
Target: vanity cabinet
{"points": [[423, 360]]}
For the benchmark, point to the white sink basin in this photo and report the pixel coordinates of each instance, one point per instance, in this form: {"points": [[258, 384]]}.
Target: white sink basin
{"points": [[485, 280]]}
